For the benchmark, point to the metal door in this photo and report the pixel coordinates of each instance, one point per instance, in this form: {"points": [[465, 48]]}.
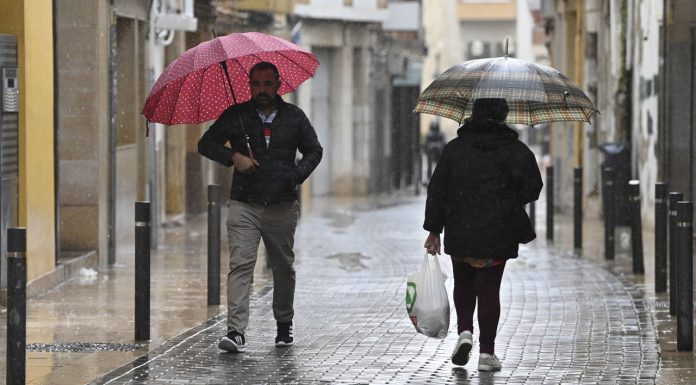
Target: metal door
{"points": [[9, 121]]}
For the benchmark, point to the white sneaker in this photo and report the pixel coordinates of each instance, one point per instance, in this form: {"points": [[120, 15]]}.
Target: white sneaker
{"points": [[460, 355], [489, 363]]}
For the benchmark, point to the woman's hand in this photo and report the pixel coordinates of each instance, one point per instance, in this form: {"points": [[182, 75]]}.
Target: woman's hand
{"points": [[432, 243]]}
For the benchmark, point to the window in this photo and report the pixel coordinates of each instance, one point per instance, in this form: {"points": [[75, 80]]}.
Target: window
{"points": [[478, 49]]}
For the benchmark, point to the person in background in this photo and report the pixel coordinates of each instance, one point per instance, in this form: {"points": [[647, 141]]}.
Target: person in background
{"points": [[477, 195], [263, 197], [434, 144]]}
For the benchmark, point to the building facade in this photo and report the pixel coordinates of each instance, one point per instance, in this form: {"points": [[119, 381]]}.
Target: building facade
{"points": [[86, 68], [30, 25], [350, 100], [635, 60]]}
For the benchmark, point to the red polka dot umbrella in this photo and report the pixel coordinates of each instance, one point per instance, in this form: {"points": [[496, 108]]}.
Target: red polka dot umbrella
{"points": [[194, 88]]}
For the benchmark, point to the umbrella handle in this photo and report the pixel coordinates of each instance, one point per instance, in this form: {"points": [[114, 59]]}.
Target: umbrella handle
{"points": [[251, 154]]}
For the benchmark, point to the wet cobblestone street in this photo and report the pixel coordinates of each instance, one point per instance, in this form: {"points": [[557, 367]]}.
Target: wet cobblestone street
{"points": [[563, 319]]}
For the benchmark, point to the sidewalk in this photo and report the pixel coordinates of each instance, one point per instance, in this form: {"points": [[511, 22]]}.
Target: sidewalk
{"points": [[564, 317], [84, 328], [675, 367]]}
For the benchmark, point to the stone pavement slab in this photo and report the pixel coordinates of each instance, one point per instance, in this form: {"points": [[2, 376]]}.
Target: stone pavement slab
{"points": [[563, 319]]}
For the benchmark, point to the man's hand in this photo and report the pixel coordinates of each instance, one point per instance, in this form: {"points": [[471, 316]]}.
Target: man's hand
{"points": [[432, 243], [244, 164]]}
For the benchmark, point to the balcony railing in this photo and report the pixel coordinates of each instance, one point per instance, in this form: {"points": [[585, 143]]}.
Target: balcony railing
{"points": [[270, 6]]}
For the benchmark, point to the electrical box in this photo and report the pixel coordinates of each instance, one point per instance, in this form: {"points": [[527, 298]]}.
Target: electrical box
{"points": [[10, 89]]}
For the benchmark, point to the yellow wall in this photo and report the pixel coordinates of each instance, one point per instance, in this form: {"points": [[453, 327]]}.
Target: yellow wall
{"points": [[32, 22], [488, 11]]}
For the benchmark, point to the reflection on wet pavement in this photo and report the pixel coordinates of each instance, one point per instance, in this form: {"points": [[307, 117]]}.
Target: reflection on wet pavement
{"points": [[85, 327], [565, 320], [350, 261], [567, 317]]}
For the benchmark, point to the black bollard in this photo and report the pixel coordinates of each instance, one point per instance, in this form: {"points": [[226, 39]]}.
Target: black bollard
{"points": [[674, 197], [609, 213], [636, 227], [549, 203], [16, 306], [213, 244], [142, 271], [577, 208], [685, 277], [660, 237]]}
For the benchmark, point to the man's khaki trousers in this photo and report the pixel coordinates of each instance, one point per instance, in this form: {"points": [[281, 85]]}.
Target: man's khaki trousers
{"points": [[247, 224]]}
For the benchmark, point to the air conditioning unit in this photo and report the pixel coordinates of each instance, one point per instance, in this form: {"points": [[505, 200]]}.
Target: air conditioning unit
{"points": [[177, 15], [397, 64]]}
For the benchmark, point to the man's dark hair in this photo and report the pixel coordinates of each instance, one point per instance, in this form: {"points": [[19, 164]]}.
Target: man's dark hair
{"points": [[264, 65], [490, 108]]}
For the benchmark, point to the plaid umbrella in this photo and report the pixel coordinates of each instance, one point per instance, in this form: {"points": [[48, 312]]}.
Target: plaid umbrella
{"points": [[535, 93]]}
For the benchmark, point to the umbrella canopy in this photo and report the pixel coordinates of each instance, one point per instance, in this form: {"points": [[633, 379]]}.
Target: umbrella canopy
{"points": [[206, 79], [535, 93]]}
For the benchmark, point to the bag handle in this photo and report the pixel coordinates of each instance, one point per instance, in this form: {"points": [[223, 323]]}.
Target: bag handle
{"points": [[426, 262], [425, 265]]}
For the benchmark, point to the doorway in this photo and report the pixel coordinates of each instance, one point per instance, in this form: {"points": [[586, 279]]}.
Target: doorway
{"points": [[321, 119]]}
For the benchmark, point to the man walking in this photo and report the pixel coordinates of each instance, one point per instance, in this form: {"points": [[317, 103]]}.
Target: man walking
{"points": [[265, 134]]}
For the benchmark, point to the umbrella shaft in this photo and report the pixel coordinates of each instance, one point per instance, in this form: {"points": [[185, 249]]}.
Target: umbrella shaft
{"points": [[223, 64], [251, 154]]}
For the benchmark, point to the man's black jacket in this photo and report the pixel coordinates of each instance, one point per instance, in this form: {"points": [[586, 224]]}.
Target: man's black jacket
{"points": [[478, 191], [276, 178]]}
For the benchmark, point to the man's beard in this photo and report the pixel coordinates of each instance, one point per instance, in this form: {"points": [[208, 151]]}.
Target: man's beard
{"points": [[264, 100]]}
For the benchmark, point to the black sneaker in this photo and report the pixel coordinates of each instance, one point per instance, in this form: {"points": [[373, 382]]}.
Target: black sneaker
{"points": [[233, 342], [284, 337]]}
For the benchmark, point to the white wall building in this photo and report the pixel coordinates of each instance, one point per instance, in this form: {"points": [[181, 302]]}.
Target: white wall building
{"points": [[646, 64], [337, 99], [343, 100], [444, 46]]}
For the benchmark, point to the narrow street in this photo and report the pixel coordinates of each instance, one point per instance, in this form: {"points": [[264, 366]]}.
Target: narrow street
{"points": [[106, 103], [563, 319]]}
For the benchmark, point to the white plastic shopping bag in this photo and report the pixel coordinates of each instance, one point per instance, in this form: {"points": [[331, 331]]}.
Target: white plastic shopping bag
{"points": [[426, 299]]}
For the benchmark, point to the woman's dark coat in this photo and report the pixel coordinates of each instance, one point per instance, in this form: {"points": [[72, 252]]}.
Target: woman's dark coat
{"points": [[478, 191]]}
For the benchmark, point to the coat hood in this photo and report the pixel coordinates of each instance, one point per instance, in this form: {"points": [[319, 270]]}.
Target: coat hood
{"points": [[486, 135]]}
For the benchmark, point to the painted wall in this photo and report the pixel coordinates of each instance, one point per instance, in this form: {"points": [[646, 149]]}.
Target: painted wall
{"points": [[32, 23], [524, 27], [646, 37], [441, 26], [82, 42]]}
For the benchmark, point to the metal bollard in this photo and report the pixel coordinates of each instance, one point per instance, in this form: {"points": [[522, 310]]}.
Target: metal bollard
{"points": [[16, 306], [549, 203], [674, 197], [213, 244], [636, 227], [685, 277], [609, 213], [532, 215], [577, 208], [660, 237], [142, 271]]}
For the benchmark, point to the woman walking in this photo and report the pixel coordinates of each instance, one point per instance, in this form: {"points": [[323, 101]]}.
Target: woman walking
{"points": [[477, 195]]}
